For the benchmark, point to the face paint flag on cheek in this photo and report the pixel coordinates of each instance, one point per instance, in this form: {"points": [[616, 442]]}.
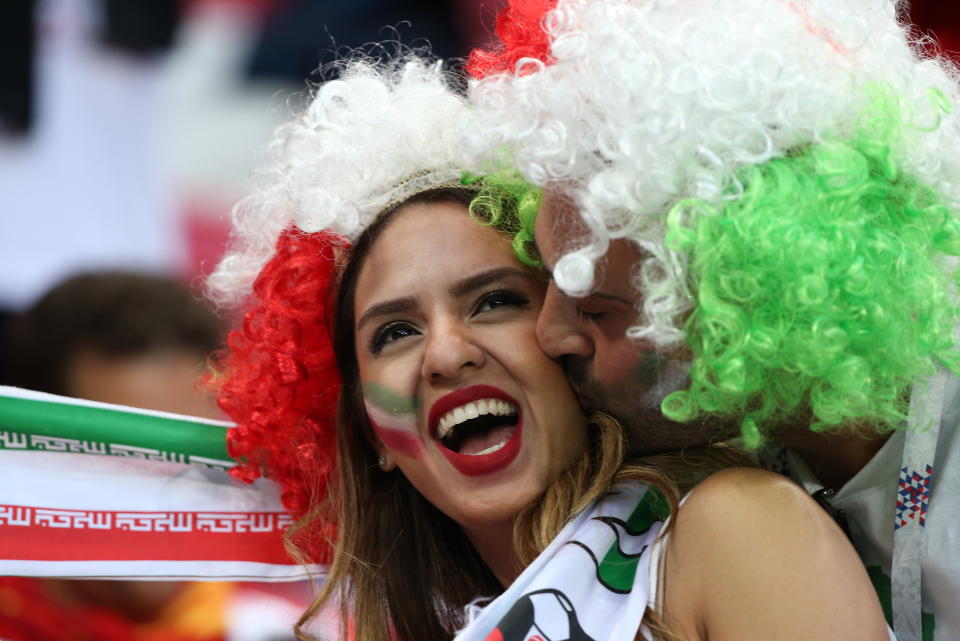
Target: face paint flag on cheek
{"points": [[394, 418], [664, 378]]}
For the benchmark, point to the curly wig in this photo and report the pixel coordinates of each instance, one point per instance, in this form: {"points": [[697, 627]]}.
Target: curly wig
{"points": [[788, 169], [368, 141]]}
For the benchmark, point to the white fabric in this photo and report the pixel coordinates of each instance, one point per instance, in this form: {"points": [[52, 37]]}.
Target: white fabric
{"points": [[55, 497], [870, 502], [916, 475], [565, 593]]}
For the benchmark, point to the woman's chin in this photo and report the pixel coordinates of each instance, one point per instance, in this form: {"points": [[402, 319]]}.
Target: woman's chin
{"points": [[480, 506], [493, 513]]}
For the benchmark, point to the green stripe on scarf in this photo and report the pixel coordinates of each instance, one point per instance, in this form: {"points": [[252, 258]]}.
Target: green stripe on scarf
{"points": [[27, 424], [618, 570]]}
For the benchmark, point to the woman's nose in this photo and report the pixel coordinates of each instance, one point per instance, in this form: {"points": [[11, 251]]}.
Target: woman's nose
{"points": [[450, 349]]}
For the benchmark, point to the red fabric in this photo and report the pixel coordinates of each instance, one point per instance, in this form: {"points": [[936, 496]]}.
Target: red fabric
{"points": [[221, 536], [279, 380], [519, 27]]}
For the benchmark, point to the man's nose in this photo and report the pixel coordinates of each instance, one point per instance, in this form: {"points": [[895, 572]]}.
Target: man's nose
{"points": [[560, 331], [450, 349]]}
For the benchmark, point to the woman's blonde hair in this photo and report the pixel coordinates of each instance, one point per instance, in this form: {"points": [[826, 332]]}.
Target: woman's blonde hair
{"points": [[455, 574]]}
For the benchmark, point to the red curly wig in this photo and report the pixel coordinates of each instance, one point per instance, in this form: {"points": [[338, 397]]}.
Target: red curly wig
{"points": [[278, 380], [520, 29]]}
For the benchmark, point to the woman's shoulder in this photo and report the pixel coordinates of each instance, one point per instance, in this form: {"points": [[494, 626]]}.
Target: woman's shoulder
{"points": [[741, 493], [750, 551], [747, 516]]}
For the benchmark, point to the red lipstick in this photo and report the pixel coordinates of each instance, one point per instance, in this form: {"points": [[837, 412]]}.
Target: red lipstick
{"points": [[479, 464]]}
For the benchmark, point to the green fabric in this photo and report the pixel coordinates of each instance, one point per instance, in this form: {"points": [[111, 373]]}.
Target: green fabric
{"points": [[617, 570], [27, 424]]}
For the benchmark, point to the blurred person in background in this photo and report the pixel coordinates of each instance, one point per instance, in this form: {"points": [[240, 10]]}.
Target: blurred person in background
{"points": [[138, 340], [117, 337]]}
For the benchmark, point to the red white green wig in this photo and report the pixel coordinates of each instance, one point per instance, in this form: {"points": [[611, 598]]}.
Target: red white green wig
{"points": [[790, 168], [372, 138], [367, 141]]}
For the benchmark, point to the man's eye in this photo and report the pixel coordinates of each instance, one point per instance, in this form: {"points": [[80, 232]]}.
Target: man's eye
{"points": [[390, 334], [590, 317], [501, 298]]}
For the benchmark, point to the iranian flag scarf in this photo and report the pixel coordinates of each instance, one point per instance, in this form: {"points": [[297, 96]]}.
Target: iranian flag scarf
{"points": [[590, 584], [96, 490]]}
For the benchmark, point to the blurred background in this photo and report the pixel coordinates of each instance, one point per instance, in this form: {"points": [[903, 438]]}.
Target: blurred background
{"points": [[127, 131], [128, 127]]}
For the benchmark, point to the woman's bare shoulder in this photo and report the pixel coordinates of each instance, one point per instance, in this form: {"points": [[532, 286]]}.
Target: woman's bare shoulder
{"points": [[751, 554], [744, 494]]}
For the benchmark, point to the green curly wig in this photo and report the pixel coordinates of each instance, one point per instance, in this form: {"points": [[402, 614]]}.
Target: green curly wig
{"points": [[824, 288], [509, 203]]}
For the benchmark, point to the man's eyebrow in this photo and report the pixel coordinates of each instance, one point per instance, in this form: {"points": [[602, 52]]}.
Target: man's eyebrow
{"points": [[482, 279], [610, 297], [386, 308]]}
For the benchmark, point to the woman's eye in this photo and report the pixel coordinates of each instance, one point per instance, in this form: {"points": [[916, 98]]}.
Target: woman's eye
{"points": [[497, 299], [389, 334]]}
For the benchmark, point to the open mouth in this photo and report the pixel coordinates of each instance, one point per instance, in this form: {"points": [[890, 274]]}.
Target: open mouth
{"points": [[477, 428]]}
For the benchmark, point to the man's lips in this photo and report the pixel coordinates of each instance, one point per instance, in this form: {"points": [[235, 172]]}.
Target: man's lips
{"points": [[460, 397]]}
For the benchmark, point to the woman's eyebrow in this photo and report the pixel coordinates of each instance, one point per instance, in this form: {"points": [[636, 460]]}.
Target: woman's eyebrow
{"points": [[482, 279], [386, 308], [459, 288]]}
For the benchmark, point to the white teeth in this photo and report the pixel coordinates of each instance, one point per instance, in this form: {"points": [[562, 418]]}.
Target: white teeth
{"points": [[474, 409]]}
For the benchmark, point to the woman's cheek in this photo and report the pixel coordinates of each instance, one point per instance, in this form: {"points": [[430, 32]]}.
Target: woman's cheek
{"points": [[394, 418]]}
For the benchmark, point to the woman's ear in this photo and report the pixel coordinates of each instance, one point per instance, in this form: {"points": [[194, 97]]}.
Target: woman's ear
{"points": [[385, 461]]}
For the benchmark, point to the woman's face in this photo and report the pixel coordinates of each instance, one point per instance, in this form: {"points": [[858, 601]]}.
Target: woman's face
{"points": [[459, 394]]}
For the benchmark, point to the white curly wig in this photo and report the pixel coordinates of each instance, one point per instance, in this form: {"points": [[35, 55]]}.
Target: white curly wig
{"points": [[368, 140], [637, 104]]}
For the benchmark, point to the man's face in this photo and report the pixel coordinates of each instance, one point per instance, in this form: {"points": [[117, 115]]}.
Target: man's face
{"points": [[609, 371]]}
